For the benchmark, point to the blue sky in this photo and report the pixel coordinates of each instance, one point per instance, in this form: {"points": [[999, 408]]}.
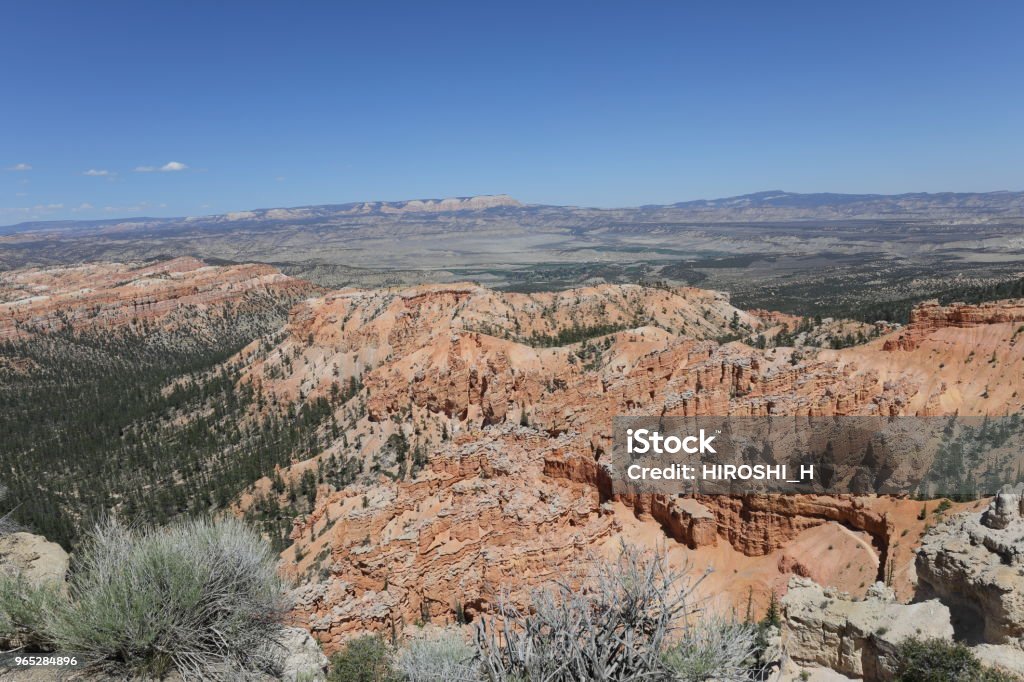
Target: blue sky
{"points": [[588, 103]]}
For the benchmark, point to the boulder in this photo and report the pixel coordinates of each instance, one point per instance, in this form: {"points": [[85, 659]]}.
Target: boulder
{"points": [[1001, 657], [34, 557], [304, 660], [1005, 508]]}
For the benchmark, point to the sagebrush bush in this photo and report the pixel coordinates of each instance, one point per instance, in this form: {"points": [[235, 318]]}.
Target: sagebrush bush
{"points": [[446, 656], [201, 597], [615, 626], [713, 649], [363, 659], [24, 608]]}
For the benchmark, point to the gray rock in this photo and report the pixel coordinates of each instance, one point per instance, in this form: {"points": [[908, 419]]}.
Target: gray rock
{"points": [[1006, 508], [1001, 657], [304, 660], [34, 557], [825, 629], [974, 563], [791, 672]]}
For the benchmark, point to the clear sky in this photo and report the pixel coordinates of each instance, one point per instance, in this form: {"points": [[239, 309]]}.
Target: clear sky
{"points": [[184, 108]]}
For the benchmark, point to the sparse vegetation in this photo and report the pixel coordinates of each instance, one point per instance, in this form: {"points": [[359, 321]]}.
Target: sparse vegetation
{"points": [[445, 657], [23, 611], [633, 618], [716, 649], [363, 659], [630, 618], [198, 597], [937, 660]]}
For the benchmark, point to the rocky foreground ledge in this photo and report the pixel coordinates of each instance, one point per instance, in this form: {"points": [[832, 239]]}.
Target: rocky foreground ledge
{"points": [[970, 589]]}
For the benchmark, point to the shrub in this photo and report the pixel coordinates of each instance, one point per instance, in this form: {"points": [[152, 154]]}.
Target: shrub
{"points": [[430, 659], [716, 649], [614, 627], [201, 597], [363, 659], [23, 611], [938, 660]]}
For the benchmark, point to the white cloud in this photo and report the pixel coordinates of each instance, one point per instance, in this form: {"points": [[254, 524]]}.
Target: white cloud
{"points": [[168, 167], [20, 167], [32, 210], [85, 206], [127, 209], [98, 173]]}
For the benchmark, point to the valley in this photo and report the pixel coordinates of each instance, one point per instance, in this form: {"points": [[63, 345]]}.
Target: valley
{"points": [[861, 256], [420, 452]]}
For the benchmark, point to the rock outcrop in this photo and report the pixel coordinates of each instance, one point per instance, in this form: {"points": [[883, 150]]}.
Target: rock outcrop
{"points": [[423, 550], [304, 661], [33, 557], [858, 639], [975, 564], [930, 316], [970, 588], [119, 297]]}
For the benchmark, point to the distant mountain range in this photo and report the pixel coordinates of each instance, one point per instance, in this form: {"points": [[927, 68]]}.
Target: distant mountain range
{"points": [[828, 205], [782, 199], [775, 205], [768, 249]]}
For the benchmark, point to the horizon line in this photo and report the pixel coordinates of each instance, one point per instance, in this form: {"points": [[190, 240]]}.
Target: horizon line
{"points": [[522, 204]]}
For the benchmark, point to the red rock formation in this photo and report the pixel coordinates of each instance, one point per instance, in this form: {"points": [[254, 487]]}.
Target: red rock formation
{"points": [[114, 296], [502, 507], [930, 316], [481, 519]]}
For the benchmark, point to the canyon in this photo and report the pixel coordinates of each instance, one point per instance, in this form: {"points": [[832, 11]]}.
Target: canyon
{"points": [[511, 431], [457, 442]]}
